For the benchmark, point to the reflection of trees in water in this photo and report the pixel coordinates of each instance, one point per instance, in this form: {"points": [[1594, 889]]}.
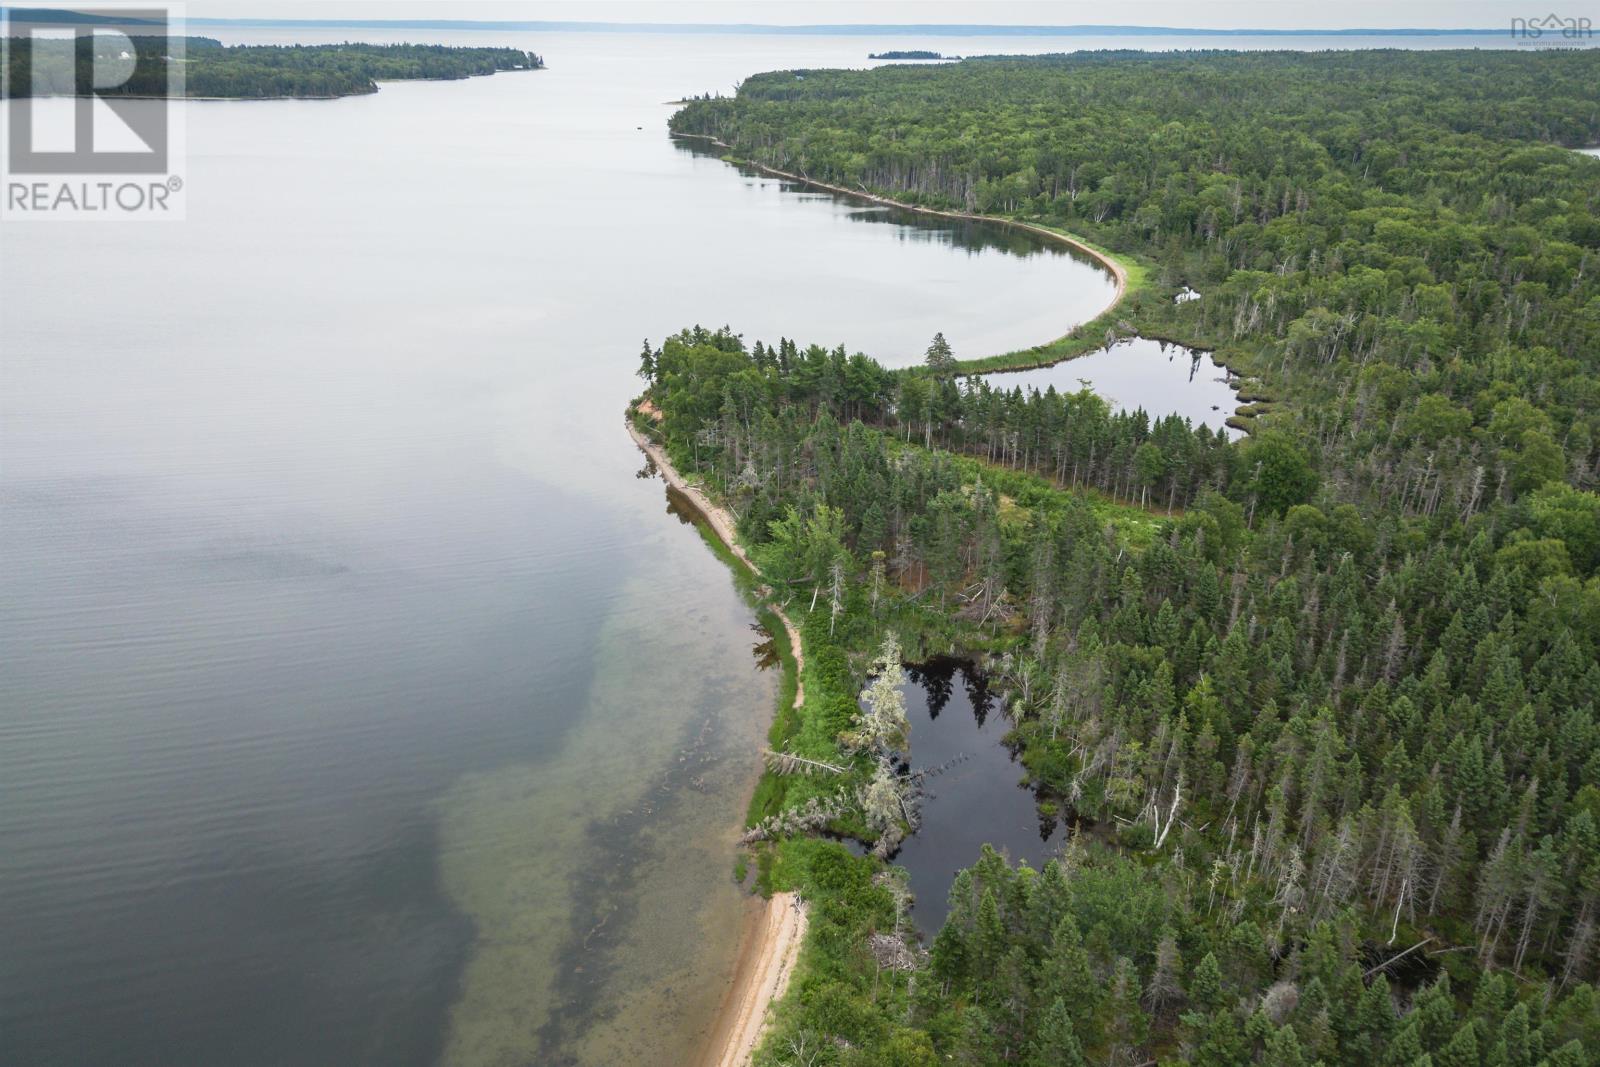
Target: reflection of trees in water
{"points": [[969, 235], [977, 684], [1049, 818], [693, 146], [937, 678], [765, 650], [1172, 350]]}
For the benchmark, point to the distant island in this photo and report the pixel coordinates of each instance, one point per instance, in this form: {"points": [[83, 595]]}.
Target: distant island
{"points": [[245, 72], [915, 53]]}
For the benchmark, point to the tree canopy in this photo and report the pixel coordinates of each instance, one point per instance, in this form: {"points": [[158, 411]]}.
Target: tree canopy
{"points": [[210, 69], [1320, 702]]}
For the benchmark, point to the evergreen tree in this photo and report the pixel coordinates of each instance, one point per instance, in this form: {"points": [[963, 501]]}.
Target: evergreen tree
{"points": [[940, 360]]}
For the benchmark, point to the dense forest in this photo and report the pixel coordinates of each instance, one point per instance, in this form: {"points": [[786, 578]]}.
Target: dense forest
{"points": [[211, 69], [1320, 703]]}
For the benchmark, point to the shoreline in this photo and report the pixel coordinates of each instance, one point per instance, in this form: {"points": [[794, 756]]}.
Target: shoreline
{"points": [[377, 86], [770, 943], [768, 950], [1119, 272], [722, 524], [772, 936], [1112, 266]]}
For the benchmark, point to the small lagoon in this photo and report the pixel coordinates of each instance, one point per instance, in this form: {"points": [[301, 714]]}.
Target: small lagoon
{"points": [[1160, 377]]}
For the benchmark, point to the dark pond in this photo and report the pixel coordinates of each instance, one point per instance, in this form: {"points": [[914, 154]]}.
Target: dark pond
{"points": [[976, 801]]}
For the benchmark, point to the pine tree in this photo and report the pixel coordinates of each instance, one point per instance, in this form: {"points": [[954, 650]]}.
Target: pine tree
{"points": [[647, 364], [1406, 1048], [989, 939], [1515, 1047], [1066, 975], [1569, 1055], [1123, 1021], [1055, 1042], [1375, 1020], [881, 803], [882, 727], [1434, 1013], [1205, 984], [1460, 1051], [1282, 1049]]}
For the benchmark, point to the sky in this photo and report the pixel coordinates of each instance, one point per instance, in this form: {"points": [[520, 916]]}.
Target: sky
{"points": [[1210, 14]]}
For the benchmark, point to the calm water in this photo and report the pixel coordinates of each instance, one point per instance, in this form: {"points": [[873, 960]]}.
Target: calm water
{"points": [[360, 705], [977, 798], [1159, 377]]}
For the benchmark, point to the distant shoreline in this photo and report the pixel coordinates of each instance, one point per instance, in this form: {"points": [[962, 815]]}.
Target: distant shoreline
{"points": [[378, 84], [976, 29]]}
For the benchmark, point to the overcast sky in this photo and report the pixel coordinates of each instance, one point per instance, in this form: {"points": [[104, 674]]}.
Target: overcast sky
{"points": [[1220, 14]]}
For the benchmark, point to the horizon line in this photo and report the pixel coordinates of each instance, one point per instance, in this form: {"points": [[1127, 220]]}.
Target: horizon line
{"points": [[971, 29], [975, 29]]}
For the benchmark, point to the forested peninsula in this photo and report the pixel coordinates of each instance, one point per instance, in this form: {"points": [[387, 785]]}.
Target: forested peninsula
{"points": [[1319, 704], [47, 67]]}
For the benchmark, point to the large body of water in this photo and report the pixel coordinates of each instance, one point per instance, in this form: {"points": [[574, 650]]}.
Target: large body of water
{"points": [[360, 706]]}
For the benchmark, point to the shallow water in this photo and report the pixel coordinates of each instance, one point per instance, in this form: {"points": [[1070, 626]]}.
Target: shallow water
{"points": [[1162, 378], [360, 705]]}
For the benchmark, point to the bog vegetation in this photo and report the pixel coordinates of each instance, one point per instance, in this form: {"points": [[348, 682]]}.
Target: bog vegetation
{"points": [[1322, 701]]}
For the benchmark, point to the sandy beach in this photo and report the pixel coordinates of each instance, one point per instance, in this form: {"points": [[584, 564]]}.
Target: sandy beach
{"points": [[767, 955]]}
